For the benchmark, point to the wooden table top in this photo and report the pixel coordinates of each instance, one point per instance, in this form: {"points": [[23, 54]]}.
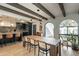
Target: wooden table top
{"points": [[50, 41]]}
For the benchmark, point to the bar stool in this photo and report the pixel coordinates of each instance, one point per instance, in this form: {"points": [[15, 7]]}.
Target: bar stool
{"points": [[1, 39], [44, 47], [18, 35], [9, 37], [33, 44]]}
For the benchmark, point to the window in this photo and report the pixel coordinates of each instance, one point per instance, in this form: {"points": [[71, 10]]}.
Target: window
{"points": [[68, 27], [49, 30]]}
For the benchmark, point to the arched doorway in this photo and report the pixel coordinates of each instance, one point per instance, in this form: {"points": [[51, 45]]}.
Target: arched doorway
{"points": [[68, 27], [49, 30]]}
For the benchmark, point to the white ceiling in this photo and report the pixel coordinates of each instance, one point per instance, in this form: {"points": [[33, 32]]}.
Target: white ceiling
{"points": [[34, 8], [14, 8], [53, 8], [71, 8]]}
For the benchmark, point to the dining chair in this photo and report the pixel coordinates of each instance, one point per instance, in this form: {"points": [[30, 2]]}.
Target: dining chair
{"points": [[1, 39], [43, 47], [33, 44], [26, 42]]}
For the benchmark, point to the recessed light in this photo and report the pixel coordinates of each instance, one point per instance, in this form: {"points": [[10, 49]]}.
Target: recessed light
{"points": [[38, 10]]}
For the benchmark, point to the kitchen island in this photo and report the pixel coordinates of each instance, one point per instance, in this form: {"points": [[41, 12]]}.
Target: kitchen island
{"points": [[10, 37]]}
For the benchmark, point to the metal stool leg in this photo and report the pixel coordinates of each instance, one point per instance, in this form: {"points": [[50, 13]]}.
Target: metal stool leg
{"points": [[29, 47], [46, 53], [34, 50], [38, 52]]}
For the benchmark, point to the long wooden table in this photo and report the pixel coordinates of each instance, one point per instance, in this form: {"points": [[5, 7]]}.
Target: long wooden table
{"points": [[55, 45]]}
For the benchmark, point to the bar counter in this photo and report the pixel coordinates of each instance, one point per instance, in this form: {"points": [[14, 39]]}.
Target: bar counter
{"points": [[14, 38]]}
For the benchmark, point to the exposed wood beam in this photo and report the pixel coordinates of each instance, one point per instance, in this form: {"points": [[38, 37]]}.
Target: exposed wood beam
{"points": [[62, 9], [16, 12], [26, 10], [43, 9]]}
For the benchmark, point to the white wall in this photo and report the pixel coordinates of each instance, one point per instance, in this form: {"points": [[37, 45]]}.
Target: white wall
{"points": [[57, 22]]}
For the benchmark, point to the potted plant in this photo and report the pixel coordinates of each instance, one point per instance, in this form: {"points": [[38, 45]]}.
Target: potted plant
{"points": [[73, 41]]}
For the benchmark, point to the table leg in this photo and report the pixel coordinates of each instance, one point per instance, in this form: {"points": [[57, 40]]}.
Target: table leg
{"points": [[52, 50], [59, 48]]}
